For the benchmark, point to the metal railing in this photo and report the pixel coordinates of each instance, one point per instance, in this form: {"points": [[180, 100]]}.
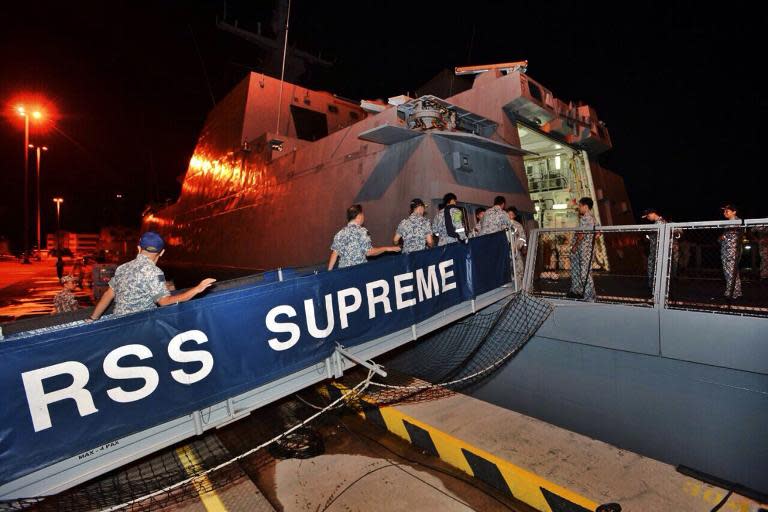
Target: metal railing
{"points": [[703, 266]]}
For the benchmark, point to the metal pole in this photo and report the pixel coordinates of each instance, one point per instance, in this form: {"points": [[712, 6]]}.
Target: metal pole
{"points": [[39, 247], [26, 188], [58, 228]]}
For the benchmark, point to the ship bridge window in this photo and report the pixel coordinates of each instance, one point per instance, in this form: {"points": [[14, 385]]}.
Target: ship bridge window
{"points": [[354, 115], [333, 109], [310, 125]]}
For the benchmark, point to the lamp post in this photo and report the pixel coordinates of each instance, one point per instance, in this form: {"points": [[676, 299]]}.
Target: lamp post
{"points": [[37, 115], [38, 150], [58, 201]]}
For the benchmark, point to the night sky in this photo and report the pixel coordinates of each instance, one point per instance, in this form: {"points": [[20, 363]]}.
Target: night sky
{"points": [[676, 84]]}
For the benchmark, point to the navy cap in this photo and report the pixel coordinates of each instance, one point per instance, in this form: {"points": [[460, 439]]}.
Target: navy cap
{"points": [[151, 242]]}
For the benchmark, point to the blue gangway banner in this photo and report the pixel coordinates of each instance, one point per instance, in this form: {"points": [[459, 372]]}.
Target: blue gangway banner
{"points": [[74, 389]]}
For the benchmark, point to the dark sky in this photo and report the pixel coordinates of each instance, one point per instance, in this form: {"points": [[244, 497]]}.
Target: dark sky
{"points": [[676, 84]]}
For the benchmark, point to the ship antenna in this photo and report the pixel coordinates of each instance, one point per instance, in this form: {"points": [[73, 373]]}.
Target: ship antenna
{"points": [[282, 72]]}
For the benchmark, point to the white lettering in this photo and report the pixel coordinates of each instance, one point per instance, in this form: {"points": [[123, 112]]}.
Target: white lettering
{"points": [[373, 299], [445, 274], [309, 310], [401, 290], [192, 356], [38, 400], [114, 371], [428, 286], [344, 308], [288, 327]]}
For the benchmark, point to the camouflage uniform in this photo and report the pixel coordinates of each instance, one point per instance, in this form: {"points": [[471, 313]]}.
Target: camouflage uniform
{"points": [[457, 222], [65, 302], [581, 260], [438, 226], [495, 219], [729, 256], [138, 285], [518, 242], [351, 243], [762, 241], [653, 236], [414, 230]]}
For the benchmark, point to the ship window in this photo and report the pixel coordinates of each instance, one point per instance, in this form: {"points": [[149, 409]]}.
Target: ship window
{"points": [[333, 108], [310, 125], [354, 115], [535, 91]]}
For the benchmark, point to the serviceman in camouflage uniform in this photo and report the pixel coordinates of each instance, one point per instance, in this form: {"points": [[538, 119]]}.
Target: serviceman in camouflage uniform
{"points": [[518, 243], [730, 251], [415, 230], [454, 220], [352, 244], [65, 301], [582, 249], [479, 214], [496, 218], [438, 226], [652, 215], [762, 241], [140, 285]]}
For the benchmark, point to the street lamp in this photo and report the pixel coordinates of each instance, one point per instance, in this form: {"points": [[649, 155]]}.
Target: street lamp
{"points": [[37, 181], [37, 115], [58, 201]]}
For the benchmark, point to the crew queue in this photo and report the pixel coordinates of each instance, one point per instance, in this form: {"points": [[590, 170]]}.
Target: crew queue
{"points": [[352, 244]]}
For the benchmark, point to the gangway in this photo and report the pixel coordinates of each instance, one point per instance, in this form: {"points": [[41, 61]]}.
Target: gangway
{"points": [[83, 399]]}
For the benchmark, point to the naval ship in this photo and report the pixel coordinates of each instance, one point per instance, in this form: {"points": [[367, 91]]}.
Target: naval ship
{"points": [[276, 165], [657, 364]]}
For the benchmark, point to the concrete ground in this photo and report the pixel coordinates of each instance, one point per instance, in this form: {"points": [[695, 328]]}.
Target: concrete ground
{"points": [[591, 468], [362, 469]]}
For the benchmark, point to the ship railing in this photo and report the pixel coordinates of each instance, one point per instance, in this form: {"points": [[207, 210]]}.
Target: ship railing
{"points": [[675, 265]]}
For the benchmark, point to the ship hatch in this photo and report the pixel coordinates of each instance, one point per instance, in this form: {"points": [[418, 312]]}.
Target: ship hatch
{"points": [[310, 125]]}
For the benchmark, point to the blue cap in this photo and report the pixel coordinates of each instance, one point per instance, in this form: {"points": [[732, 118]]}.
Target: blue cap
{"points": [[151, 242]]}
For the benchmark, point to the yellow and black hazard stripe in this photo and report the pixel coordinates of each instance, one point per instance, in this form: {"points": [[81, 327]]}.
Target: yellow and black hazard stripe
{"points": [[502, 475]]}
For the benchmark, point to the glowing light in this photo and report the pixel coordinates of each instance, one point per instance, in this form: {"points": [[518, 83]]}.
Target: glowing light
{"points": [[21, 111], [37, 114], [559, 206]]}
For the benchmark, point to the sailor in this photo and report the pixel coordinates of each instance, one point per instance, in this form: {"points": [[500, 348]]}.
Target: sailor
{"points": [[415, 230], [140, 285], [438, 226], [730, 252], [518, 243], [479, 214], [496, 218], [652, 215], [454, 220], [65, 301], [582, 252], [352, 244], [761, 233]]}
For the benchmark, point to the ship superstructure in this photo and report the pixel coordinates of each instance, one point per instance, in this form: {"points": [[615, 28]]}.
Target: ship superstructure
{"points": [[269, 179]]}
